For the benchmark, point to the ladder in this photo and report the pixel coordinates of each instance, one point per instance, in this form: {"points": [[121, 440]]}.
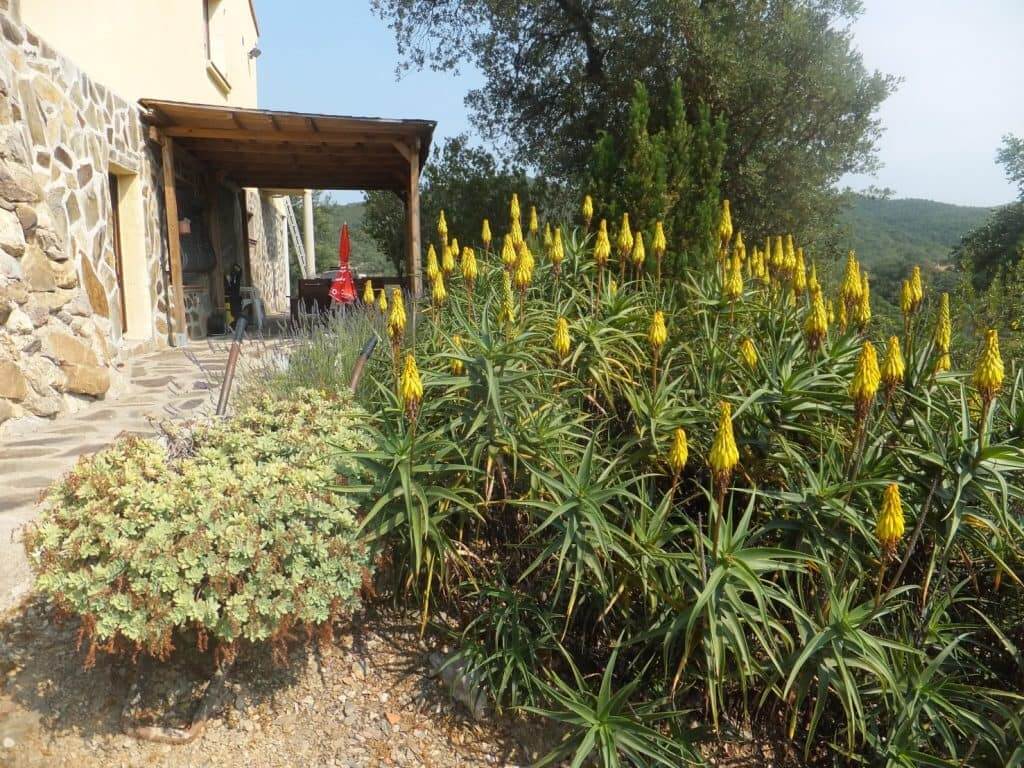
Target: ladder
{"points": [[300, 249]]}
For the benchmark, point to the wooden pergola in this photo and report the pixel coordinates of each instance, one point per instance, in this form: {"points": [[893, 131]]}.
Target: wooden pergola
{"points": [[292, 151]]}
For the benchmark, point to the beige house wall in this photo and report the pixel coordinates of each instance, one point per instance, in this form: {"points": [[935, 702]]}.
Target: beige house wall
{"points": [[154, 48]]}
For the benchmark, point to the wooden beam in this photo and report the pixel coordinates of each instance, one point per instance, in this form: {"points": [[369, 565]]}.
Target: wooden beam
{"points": [[179, 331], [412, 218], [262, 134], [403, 150], [153, 134]]}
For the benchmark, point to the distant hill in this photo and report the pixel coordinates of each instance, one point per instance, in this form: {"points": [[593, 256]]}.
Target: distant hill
{"points": [[890, 236]]}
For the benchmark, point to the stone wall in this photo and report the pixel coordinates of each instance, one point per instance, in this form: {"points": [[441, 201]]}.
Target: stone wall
{"points": [[60, 321], [266, 256]]}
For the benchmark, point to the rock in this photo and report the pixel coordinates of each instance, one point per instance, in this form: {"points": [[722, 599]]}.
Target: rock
{"points": [[65, 274], [51, 243], [37, 312], [16, 292], [38, 273], [12, 237], [13, 384], [17, 184], [27, 217], [51, 301], [9, 743], [45, 405], [10, 266], [19, 322], [86, 379], [64, 348], [42, 375], [6, 411], [94, 289], [79, 306]]}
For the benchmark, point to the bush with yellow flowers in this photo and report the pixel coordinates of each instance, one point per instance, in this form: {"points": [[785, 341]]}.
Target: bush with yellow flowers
{"points": [[722, 492]]}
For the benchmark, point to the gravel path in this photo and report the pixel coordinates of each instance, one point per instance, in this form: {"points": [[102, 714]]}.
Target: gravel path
{"points": [[365, 700]]}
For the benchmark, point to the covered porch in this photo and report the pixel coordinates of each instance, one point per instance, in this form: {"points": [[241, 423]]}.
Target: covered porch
{"points": [[281, 152]]}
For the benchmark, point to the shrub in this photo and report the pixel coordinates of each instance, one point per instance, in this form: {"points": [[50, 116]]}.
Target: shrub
{"points": [[238, 530], [597, 569]]}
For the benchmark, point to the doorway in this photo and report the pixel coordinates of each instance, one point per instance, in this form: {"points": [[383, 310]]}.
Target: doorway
{"points": [[128, 237]]}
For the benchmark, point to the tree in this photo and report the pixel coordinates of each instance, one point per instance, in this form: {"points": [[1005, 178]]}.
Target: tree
{"points": [[672, 175], [800, 105], [998, 244], [469, 184]]}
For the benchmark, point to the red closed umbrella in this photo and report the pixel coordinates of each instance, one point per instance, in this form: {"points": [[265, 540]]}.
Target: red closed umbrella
{"points": [[343, 287]]}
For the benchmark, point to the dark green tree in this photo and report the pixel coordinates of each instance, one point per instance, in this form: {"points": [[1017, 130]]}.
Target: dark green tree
{"points": [[785, 75], [672, 175]]}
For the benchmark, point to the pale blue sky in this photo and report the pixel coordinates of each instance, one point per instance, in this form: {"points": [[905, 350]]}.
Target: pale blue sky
{"points": [[962, 62]]}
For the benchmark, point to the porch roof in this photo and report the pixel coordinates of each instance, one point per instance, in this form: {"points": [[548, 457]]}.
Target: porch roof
{"points": [[295, 150]]}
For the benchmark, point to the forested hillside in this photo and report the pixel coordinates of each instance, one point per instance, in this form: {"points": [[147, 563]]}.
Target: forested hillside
{"points": [[890, 236]]}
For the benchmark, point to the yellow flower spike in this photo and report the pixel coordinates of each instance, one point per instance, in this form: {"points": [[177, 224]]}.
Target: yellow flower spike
{"points": [[638, 254], [906, 299], [891, 525], [944, 326], [523, 275], [988, 373], [831, 311], [508, 252], [514, 213], [442, 228], [602, 245], [658, 243], [557, 251], [789, 256], [516, 232], [448, 259], [432, 269], [587, 209], [437, 291], [843, 320], [739, 249], [863, 311], [850, 290], [411, 386], [812, 281], [816, 322], [469, 268], [625, 240], [561, 342], [382, 302], [508, 304], [549, 238], [724, 454], [916, 288], [679, 452], [368, 293], [865, 382], [457, 366], [534, 223], [893, 367], [725, 224], [800, 274], [943, 363], [657, 334], [732, 287], [749, 353], [485, 234], [455, 247], [613, 287], [778, 256]]}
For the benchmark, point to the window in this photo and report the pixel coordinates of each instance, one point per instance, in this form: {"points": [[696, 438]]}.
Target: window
{"points": [[216, 59]]}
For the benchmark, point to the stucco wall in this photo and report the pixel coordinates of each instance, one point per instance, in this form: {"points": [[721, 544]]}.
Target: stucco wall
{"points": [[151, 48]]}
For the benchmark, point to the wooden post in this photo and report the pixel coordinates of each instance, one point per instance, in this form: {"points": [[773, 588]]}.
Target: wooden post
{"points": [[217, 276], [179, 331], [412, 223]]}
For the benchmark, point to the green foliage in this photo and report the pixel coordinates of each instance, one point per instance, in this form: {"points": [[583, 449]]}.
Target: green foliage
{"points": [[531, 508], [801, 107], [673, 175], [328, 216], [469, 184], [237, 530]]}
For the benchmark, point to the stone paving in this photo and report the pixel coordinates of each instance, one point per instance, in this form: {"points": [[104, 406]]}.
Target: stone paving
{"points": [[171, 383]]}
